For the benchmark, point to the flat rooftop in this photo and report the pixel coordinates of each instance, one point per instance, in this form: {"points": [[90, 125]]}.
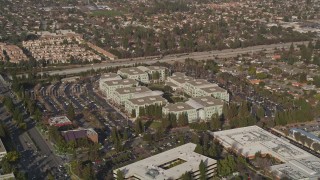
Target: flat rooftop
{"points": [[206, 101], [213, 89], [251, 139], [177, 74], [148, 93], [177, 107], [59, 120], [129, 90], [147, 100], [109, 76], [131, 71], [181, 79], [120, 82], [151, 68], [201, 83], [152, 167]]}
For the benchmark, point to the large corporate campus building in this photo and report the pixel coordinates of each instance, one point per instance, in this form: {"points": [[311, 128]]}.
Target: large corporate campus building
{"points": [[126, 89], [247, 141], [171, 164]]}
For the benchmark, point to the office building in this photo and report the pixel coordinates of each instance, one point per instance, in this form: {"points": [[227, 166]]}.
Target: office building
{"points": [[177, 80], [181, 108], [171, 164], [206, 106], [135, 104], [108, 87], [120, 95], [296, 163], [134, 73]]}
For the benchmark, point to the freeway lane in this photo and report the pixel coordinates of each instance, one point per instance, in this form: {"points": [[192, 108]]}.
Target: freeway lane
{"points": [[176, 57]]}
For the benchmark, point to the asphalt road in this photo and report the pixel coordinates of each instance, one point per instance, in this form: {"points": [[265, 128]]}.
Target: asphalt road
{"points": [[37, 157], [176, 57]]}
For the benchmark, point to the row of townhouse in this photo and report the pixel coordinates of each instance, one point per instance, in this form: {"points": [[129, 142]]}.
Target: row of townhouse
{"points": [[13, 52], [196, 87], [59, 48], [144, 74], [198, 108]]}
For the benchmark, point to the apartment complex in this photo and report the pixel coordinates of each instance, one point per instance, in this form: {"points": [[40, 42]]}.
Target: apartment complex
{"points": [[59, 47], [199, 108], [171, 164], [3, 150], [12, 53], [136, 103]]}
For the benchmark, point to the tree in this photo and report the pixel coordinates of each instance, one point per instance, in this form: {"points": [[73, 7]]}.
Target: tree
{"points": [[215, 123], [37, 115], [138, 126], [133, 113], [203, 169], [297, 136], [12, 156], [70, 112], [50, 177], [182, 119], [317, 46], [120, 175], [186, 176], [316, 146], [252, 71], [87, 172], [309, 142]]}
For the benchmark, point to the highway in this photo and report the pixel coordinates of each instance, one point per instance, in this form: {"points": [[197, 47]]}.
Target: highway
{"points": [[226, 53]]}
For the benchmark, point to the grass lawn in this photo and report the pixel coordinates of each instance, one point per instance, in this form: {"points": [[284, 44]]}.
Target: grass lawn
{"points": [[155, 125], [108, 13]]}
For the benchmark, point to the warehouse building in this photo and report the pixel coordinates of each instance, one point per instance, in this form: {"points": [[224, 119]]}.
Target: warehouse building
{"points": [[171, 164]]}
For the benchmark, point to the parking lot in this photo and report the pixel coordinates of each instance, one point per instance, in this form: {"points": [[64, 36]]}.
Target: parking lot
{"points": [[92, 110]]}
